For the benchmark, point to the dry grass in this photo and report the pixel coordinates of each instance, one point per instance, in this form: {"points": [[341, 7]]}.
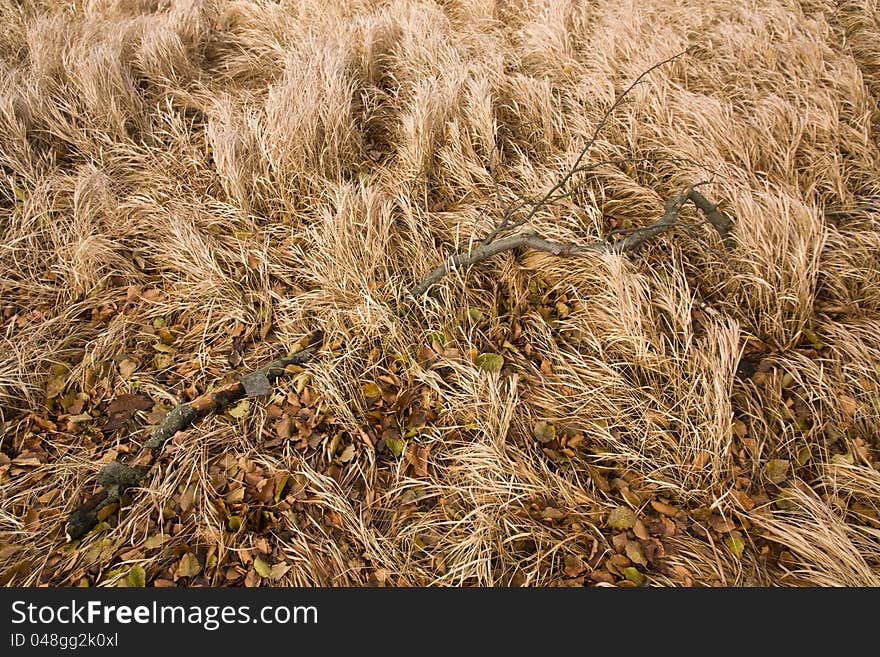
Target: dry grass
{"points": [[244, 172]]}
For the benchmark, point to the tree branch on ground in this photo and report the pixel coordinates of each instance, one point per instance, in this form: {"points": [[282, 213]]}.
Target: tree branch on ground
{"points": [[633, 240], [499, 239], [116, 478]]}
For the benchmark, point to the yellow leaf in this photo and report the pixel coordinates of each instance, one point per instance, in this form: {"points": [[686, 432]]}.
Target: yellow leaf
{"points": [[395, 446], [490, 362], [371, 390], [137, 577], [263, 569], [189, 565], [633, 575], [735, 544], [240, 409]]}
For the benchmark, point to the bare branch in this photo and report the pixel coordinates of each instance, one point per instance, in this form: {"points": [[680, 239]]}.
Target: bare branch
{"points": [[115, 477], [631, 242], [552, 195], [563, 181]]}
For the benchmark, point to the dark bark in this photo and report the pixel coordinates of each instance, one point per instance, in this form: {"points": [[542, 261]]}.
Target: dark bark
{"points": [[116, 477]]}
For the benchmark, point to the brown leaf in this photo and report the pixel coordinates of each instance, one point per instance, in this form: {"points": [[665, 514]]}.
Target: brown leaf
{"points": [[552, 513], [127, 367], [544, 432], [634, 552], [188, 566], [186, 498], [848, 405], [417, 456], [665, 509], [574, 565], [602, 576], [598, 479], [776, 470], [28, 459], [284, 428], [653, 549], [747, 502], [123, 408], [722, 525], [640, 530], [617, 562]]}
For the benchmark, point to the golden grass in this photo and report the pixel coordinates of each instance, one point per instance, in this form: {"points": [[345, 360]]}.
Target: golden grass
{"points": [[245, 172]]}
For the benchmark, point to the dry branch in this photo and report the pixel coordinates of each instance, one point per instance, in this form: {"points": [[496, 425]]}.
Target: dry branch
{"points": [[720, 221], [115, 477]]}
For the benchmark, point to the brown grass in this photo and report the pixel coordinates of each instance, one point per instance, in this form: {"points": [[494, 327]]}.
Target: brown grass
{"points": [[244, 172]]}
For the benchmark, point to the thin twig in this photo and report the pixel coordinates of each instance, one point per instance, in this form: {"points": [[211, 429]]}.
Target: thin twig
{"points": [[505, 224]]}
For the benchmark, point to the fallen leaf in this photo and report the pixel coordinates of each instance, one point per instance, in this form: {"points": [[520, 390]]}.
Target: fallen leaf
{"points": [[27, 460], [239, 410], [126, 368], [635, 554], [188, 566], [665, 509], [776, 470], [371, 392], [552, 513], [280, 482], [633, 575], [165, 335], [137, 577], [123, 408], [848, 405], [745, 501], [722, 525], [735, 544], [262, 567], [544, 433], [394, 443], [489, 362], [573, 565], [155, 541], [58, 374], [602, 576], [278, 571], [347, 454], [417, 457], [621, 518]]}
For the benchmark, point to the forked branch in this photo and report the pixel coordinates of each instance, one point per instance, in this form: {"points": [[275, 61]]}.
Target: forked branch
{"points": [[631, 242]]}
